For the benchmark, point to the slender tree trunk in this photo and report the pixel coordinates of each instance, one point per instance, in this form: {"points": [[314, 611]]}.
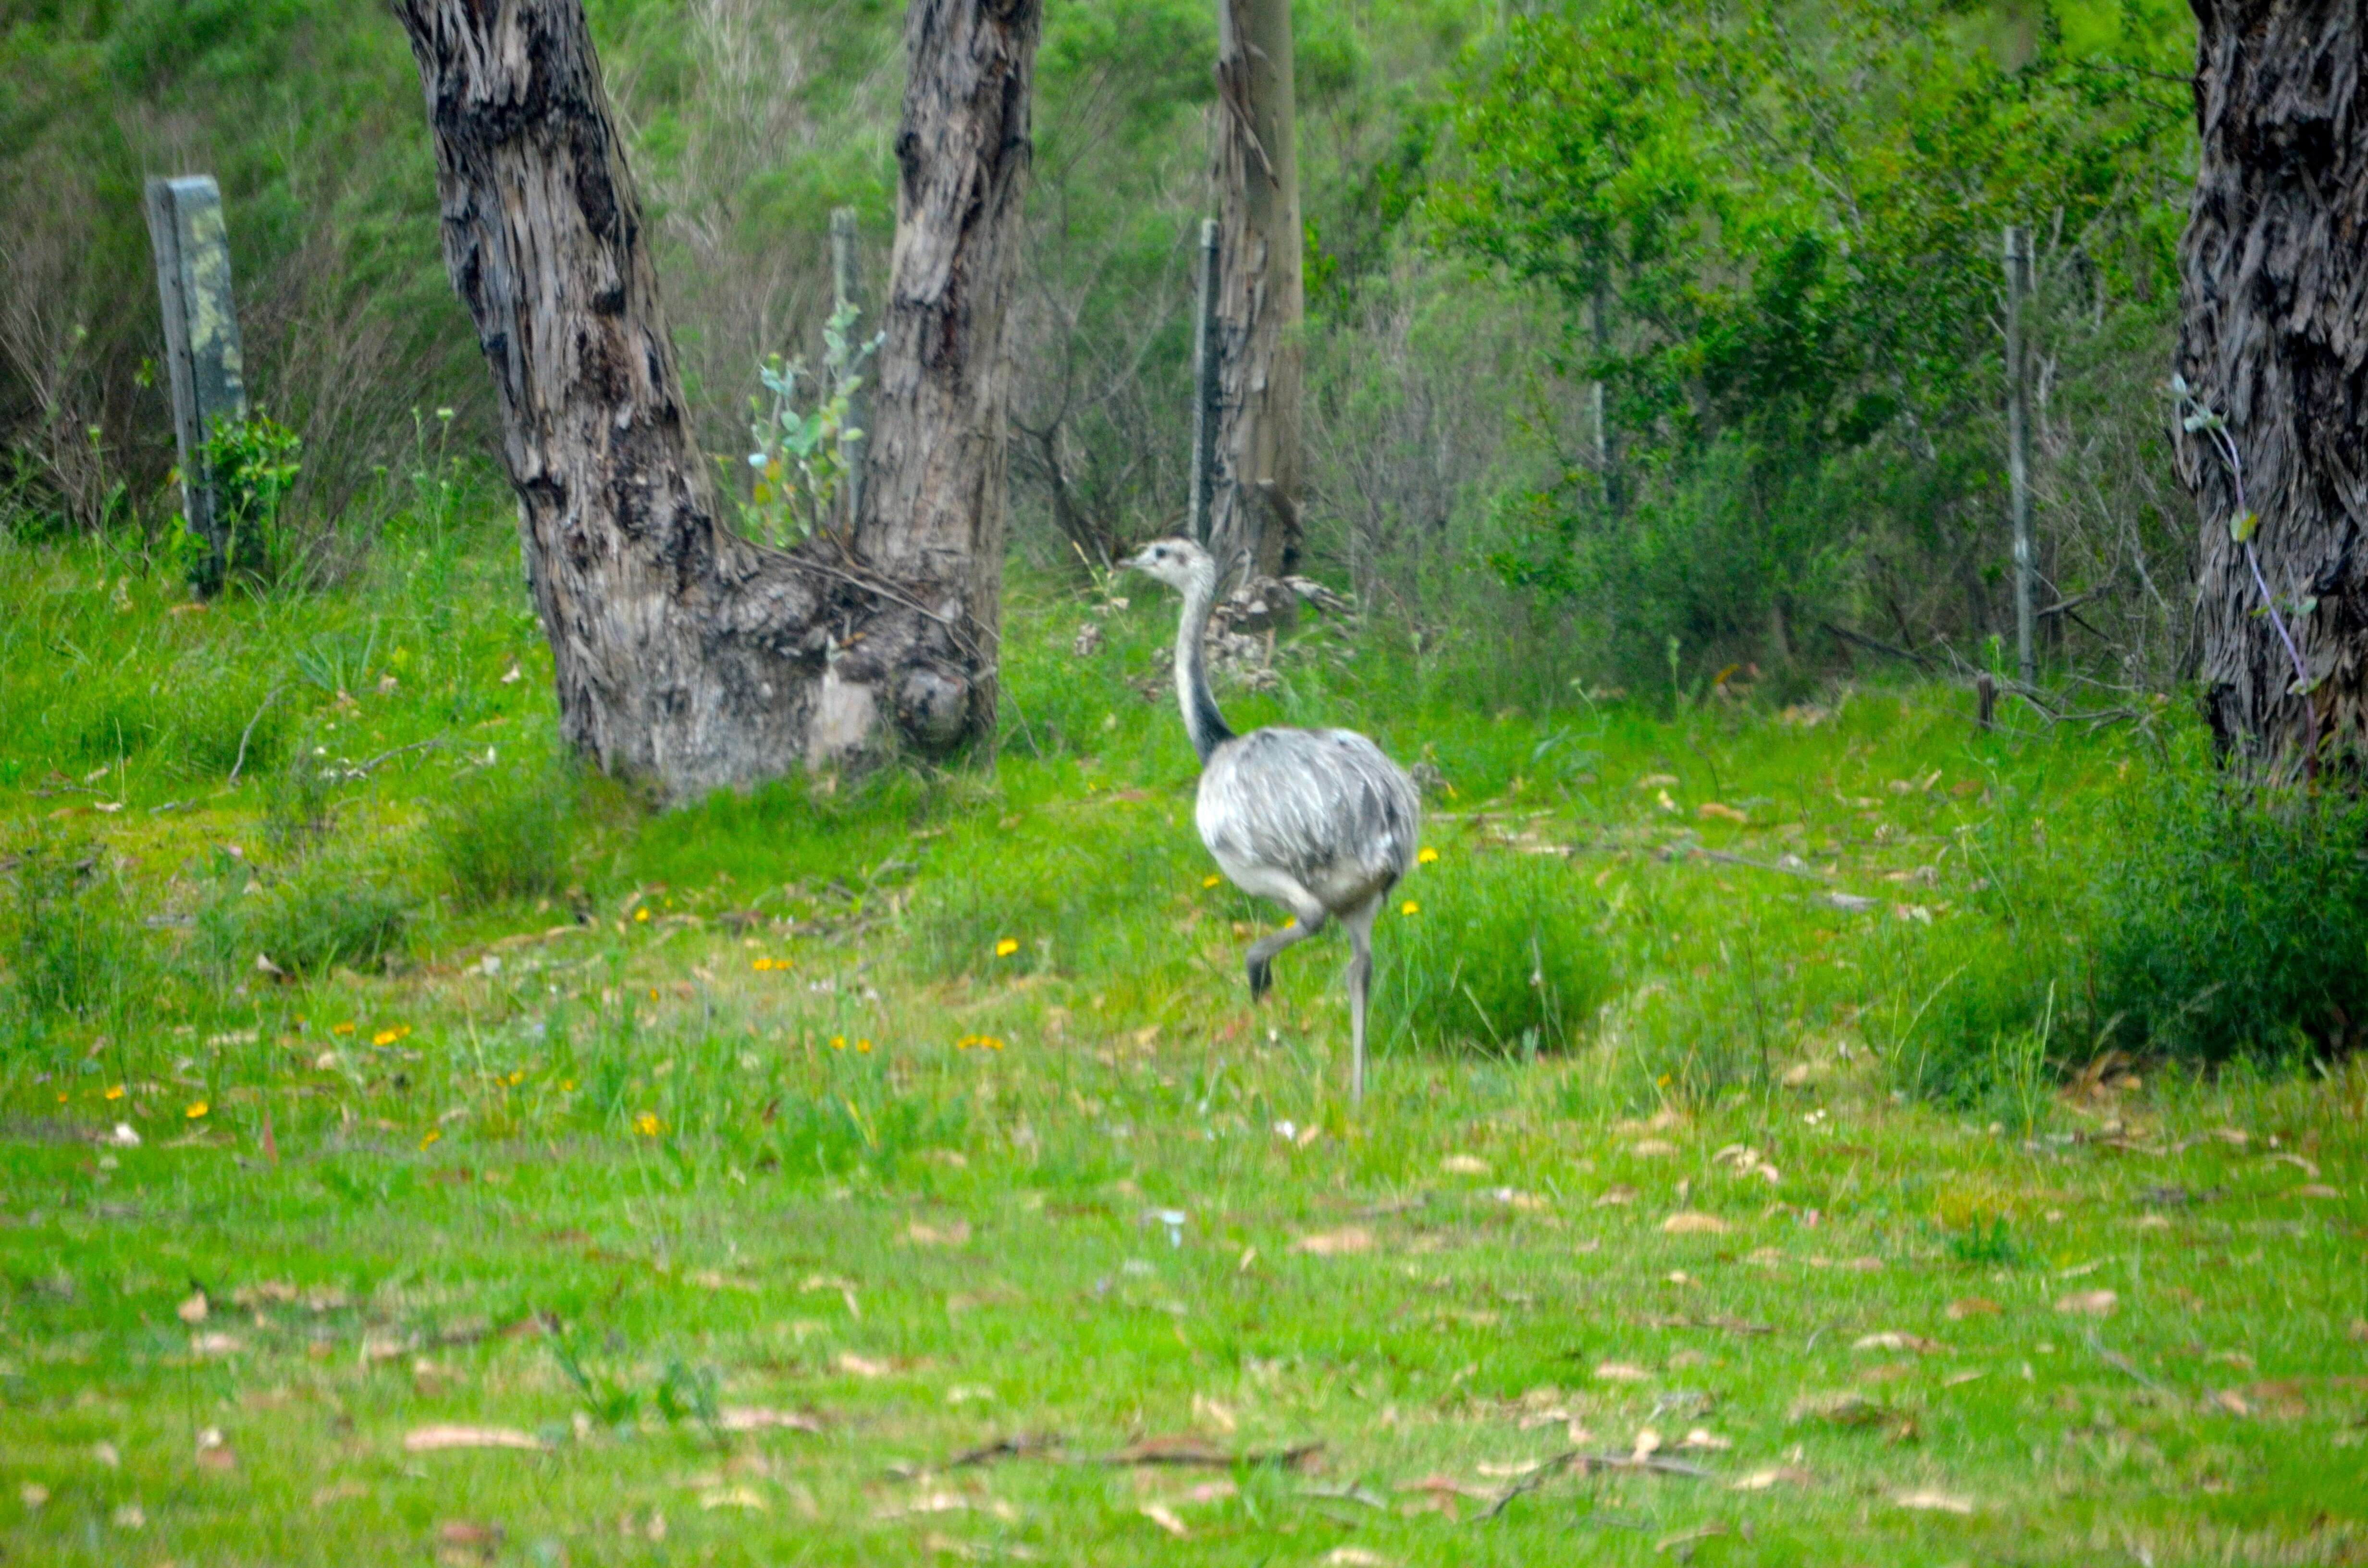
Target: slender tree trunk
{"points": [[684, 654], [1254, 510], [934, 496], [2274, 339]]}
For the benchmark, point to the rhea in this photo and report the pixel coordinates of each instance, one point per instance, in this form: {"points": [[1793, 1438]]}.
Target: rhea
{"points": [[1318, 820]]}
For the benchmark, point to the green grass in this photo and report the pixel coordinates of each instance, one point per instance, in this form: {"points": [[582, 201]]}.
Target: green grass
{"points": [[597, 1127]]}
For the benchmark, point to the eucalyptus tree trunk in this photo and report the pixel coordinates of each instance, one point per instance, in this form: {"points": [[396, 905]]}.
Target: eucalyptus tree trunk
{"points": [[2273, 347], [686, 656], [1254, 509]]}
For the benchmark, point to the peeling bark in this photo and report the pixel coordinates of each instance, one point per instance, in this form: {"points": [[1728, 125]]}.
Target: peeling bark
{"points": [[684, 654], [2274, 337], [1254, 510]]}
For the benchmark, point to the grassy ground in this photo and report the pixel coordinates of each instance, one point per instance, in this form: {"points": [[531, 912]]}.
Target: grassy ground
{"points": [[895, 1170]]}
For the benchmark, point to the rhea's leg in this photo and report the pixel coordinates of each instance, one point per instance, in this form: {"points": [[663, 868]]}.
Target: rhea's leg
{"points": [[1360, 922], [1260, 960]]}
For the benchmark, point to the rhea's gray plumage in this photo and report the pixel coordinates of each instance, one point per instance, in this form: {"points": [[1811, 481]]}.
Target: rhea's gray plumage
{"points": [[1318, 820]]}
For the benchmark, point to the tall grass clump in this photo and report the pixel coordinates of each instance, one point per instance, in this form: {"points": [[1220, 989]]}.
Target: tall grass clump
{"points": [[71, 948], [503, 836], [324, 912], [2231, 926], [1499, 954]]}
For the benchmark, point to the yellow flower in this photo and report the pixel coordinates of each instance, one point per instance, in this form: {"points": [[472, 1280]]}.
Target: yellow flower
{"points": [[646, 1124], [863, 1047], [1006, 947], [518, 1076], [965, 1041], [567, 1086], [1427, 856], [642, 915], [992, 1042], [196, 1108], [346, 1028], [654, 992], [62, 1096], [838, 1042], [385, 1037], [430, 1136], [1409, 907], [762, 965], [1211, 882], [115, 1092]]}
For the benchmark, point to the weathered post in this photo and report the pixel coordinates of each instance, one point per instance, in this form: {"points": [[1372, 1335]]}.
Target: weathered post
{"points": [[1984, 701], [2017, 444], [847, 292], [201, 353], [1206, 390]]}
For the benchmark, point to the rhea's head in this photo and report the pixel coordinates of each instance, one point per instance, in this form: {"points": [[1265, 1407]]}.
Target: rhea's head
{"points": [[1174, 562]]}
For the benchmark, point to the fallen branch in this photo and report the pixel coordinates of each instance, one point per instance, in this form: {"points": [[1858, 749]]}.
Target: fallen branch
{"points": [[1585, 1463], [248, 733]]}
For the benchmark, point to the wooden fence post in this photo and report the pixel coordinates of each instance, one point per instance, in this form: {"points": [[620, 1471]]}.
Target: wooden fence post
{"points": [[846, 289], [1205, 391], [201, 353], [2018, 447]]}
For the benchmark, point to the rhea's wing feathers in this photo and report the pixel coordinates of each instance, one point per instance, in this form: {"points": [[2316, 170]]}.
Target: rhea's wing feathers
{"points": [[1311, 803]]}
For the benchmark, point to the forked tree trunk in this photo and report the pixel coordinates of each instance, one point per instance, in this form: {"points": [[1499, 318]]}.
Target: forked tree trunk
{"points": [[2274, 339], [1254, 508], [686, 656]]}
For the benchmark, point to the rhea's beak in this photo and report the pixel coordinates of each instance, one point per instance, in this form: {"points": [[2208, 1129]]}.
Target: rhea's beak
{"points": [[1138, 561]]}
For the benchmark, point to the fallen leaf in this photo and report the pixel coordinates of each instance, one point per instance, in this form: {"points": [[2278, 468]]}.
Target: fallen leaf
{"points": [[131, 1517], [1935, 1502], [194, 1310], [1165, 1518], [1682, 1542], [2230, 1401], [1688, 1223], [1356, 1557], [954, 1235], [1722, 813], [430, 1439], [1703, 1439], [1761, 1480], [1652, 1148], [2092, 1303], [2316, 1189], [2358, 1331], [1893, 1339], [1838, 1409], [734, 1497], [862, 1366], [1333, 1244], [1616, 1197], [927, 1502], [755, 1418], [1972, 1307], [1464, 1164], [1621, 1372], [215, 1345], [468, 1535]]}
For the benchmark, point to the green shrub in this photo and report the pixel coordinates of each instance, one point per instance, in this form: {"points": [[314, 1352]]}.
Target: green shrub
{"points": [[2233, 927], [505, 836], [1500, 955]]}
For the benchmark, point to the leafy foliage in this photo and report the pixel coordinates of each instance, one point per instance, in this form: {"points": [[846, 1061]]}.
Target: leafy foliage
{"points": [[804, 455]]}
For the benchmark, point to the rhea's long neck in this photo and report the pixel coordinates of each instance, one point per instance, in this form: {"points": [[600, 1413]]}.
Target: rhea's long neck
{"points": [[1202, 722]]}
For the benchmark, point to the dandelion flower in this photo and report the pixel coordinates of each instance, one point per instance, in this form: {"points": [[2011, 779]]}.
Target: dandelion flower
{"points": [[1006, 947], [648, 1124], [838, 1042], [567, 1086], [518, 1075], [346, 1028], [654, 992], [385, 1037], [863, 1047], [1427, 856], [1409, 907], [432, 1135], [762, 965], [196, 1108], [992, 1042], [1211, 882], [62, 1096], [116, 1092], [642, 915]]}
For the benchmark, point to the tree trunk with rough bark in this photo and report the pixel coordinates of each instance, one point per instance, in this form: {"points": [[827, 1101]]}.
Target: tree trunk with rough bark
{"points": [[1254, 509], [2274, 341], [686, 656]]}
